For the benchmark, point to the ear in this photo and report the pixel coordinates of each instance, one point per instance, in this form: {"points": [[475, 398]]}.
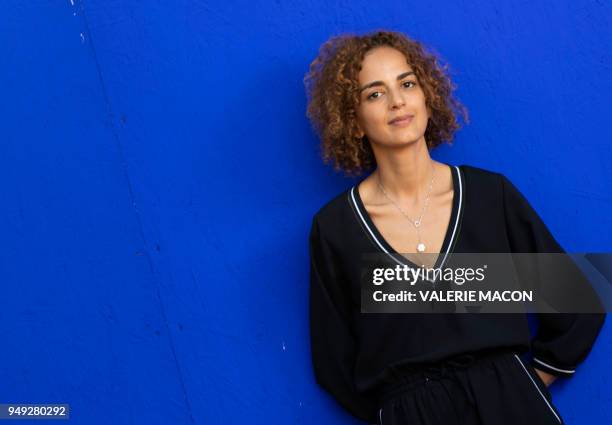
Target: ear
{"points": [[360, 132]]}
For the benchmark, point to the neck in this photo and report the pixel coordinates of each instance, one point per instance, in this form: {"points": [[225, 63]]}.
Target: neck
{"points": [[405, 174]]}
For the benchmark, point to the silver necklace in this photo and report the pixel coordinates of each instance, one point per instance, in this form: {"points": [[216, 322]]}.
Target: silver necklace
{"points": [[416, 223]]}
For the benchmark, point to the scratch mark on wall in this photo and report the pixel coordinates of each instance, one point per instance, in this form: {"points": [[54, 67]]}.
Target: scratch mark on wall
{"points": [[123, 163]]}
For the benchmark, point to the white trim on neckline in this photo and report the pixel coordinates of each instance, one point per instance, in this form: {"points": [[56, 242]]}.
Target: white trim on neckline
{"points": [[453, 234]]}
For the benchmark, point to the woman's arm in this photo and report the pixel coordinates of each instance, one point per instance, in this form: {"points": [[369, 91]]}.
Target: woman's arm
{"points": [[333, 344], [563, 340]]}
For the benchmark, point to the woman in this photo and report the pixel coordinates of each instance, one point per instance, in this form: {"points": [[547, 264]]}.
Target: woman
{"points": [[381, 102]]}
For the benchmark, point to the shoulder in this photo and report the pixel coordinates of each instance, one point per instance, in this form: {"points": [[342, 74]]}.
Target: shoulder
{"points": [[335, 210], [496, 189], [483, 180], [479, 174]]}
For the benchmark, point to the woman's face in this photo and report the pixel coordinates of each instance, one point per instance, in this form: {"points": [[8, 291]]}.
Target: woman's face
{"points": [[389, 89]]}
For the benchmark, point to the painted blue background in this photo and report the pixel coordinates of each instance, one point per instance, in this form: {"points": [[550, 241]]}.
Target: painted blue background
{"points": [[159, 177]]}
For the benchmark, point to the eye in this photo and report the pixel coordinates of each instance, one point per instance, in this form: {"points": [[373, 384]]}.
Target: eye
{"points": [[409, 82], [371, 96]]}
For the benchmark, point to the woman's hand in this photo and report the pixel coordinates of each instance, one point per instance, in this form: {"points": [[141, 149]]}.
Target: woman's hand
{"points": [[547, 378]]}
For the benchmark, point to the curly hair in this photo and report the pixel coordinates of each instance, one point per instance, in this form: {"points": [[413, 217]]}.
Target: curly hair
{"points": [[333, 96]]}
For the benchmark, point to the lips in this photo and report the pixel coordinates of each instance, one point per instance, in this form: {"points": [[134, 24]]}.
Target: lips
{"points": [[402, 119]]}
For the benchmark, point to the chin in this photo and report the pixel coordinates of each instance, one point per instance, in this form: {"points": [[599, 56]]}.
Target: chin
{"points": [[407, 140]]}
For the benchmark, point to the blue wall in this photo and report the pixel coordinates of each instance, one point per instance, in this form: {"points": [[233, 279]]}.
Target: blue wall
{"points": [[160, 177]]}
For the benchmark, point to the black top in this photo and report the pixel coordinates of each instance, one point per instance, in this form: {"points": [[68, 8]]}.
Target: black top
{"points": [[352, 352]]}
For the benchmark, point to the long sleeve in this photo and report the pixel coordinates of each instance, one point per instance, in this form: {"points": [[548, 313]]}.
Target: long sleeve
{"points": [[333, 345], [563, 340]]}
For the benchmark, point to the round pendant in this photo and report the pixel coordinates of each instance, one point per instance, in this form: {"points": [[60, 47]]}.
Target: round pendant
{"points": [[421, 247]]}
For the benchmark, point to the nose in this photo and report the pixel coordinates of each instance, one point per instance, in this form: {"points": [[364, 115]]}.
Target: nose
{"points": [[396, 100]]}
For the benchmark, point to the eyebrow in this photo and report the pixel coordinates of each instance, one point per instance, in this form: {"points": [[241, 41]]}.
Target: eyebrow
{"points": [[380, 83]]}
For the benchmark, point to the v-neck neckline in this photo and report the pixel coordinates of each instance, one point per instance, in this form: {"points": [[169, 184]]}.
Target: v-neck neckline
{"points": [[451, 228]]}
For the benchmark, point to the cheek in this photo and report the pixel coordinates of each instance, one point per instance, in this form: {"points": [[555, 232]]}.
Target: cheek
{"points": [[372, 116], [418, 101], [420, 107]]}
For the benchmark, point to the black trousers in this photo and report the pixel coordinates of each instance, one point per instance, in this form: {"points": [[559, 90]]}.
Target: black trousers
{"points": [[487, 388]]}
